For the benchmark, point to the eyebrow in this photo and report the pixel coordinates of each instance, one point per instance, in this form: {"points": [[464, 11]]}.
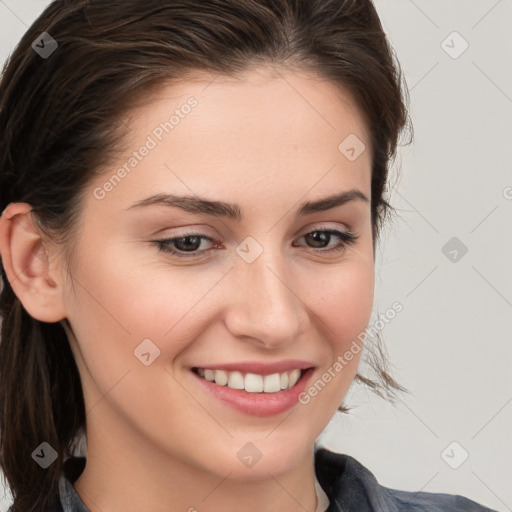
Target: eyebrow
{"points": [[195, 204]]}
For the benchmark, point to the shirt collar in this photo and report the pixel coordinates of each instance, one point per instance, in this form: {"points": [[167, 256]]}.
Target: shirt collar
{"points": [[69, 498]]}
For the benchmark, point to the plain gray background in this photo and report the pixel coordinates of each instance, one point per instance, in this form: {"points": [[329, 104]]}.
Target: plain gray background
{"points": [[451, 344]]}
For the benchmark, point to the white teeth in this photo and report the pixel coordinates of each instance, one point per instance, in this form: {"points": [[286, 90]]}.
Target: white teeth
{"points": [[272, 383], [236, 380], [221, 377], [252, 383], [294, 377]]}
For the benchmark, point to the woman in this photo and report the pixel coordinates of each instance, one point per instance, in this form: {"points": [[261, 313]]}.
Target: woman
{"points": [[192, 192]]}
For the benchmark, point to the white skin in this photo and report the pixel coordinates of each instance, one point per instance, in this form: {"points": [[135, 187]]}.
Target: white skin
{"points": [[157, 441]]}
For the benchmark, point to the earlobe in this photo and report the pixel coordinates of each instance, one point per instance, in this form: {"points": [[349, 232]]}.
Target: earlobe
{"points": [[27, 265]]}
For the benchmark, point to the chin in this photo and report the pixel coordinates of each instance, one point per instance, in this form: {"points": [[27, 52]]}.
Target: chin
{"points": [[250, 461]]}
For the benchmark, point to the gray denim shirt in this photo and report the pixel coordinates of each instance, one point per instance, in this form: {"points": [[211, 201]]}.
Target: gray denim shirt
{"points": [[349, 486]]}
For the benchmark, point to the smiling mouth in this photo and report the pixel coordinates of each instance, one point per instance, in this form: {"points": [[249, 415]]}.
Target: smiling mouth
{"points": [[252, 382]]}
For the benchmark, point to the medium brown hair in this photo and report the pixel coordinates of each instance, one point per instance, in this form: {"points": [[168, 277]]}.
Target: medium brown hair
{"points": [[61, 123]]}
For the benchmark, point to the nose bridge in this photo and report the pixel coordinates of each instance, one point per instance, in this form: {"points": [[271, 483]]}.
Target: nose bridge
{"points": [[265, 306]]}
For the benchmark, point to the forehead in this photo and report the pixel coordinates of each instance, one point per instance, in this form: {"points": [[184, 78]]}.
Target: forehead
{"points": [[278, 95], [265, 131]]}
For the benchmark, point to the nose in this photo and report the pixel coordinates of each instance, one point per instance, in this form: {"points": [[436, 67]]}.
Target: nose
{"points": [[265, 305]]}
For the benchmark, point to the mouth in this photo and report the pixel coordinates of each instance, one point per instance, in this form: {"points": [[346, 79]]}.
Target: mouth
{"points": [[274, 390], [253, 382]]}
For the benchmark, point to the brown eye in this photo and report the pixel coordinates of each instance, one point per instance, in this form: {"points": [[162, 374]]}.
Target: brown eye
{"points": [[188, 243], [317, 239], [320, 238], [186, 246]]}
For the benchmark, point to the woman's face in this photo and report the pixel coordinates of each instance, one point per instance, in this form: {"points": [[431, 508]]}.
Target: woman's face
{"points": [[259, 287]]}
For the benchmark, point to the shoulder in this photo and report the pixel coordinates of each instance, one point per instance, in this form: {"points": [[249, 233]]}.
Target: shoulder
{"points": [[434, 502], [351, 487]]}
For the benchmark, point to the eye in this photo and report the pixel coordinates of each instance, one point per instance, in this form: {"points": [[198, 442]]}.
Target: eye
{"points": [[321, 237], [188, 245]]}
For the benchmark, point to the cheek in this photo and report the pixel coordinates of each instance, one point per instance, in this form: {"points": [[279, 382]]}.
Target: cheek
{"points": [[344, 308], [135, 299], [345, 302], [117, 306]]}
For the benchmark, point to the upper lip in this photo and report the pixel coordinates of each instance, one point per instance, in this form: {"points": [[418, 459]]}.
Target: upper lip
{"points": [[259, 367]]}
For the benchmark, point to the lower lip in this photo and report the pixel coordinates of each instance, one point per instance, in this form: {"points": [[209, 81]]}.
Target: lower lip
{"points": [[258, 404]]}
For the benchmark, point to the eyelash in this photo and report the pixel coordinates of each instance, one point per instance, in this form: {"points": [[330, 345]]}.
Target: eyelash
{"points": [[346, 238]]}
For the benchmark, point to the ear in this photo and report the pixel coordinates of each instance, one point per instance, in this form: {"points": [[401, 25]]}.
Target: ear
{"points": [[27, 265]]}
